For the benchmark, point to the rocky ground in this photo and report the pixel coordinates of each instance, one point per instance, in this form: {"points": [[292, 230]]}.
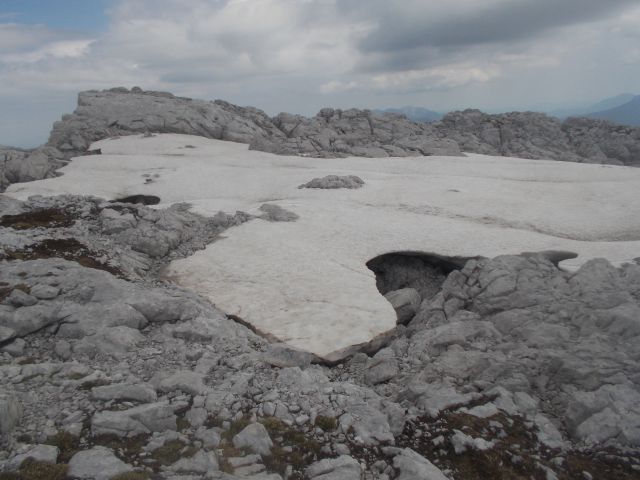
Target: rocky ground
{"points": [[331, 133], [503, 368]]}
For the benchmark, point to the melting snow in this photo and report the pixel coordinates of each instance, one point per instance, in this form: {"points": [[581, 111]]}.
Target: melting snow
{"points": [[306, 281]]}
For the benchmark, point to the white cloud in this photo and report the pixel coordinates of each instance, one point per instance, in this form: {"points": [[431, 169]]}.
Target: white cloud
{"points": [[296, 55]]}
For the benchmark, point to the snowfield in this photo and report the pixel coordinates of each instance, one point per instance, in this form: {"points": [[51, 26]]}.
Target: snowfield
{"points": [[306, 282]]}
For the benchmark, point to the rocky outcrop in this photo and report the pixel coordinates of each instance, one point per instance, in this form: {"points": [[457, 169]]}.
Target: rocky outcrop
{"points": [[18, 166], [331, 133], [353, 132], [538, 136], [334, 182]]}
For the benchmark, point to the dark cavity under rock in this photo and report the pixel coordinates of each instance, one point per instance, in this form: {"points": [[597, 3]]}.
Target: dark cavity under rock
{"points": [[423, 272], [139, 200]]}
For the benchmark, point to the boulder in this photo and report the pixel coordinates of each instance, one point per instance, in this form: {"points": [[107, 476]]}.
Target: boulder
{"points": [[37, 453], [405, 302], [151, 417], [99, 463], [254, 437], [413, 466], [341, 468]]}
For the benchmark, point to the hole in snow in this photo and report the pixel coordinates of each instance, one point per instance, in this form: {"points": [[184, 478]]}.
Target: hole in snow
{"points": [[139, 199]]}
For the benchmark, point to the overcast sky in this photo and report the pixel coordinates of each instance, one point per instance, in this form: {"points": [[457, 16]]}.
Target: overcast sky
{"points": [[301, 55]]}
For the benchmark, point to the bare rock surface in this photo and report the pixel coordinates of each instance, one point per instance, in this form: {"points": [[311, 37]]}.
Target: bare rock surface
{"points": [[334, 181], [99, 463], [536, 135]]}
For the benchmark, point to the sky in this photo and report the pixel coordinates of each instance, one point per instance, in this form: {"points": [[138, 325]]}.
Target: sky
{"points": [[302, 55]]}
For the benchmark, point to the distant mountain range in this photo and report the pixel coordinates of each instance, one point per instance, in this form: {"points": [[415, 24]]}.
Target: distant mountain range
{"points": [[623, 109], [417, 114], [627, 114]]}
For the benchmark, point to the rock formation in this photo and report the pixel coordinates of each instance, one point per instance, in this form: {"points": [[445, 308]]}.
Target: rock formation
{"points": [[538, 136], [331, 133]]}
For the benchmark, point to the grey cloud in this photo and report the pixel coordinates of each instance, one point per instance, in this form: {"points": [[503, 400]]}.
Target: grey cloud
{"points": [[401, 28]]}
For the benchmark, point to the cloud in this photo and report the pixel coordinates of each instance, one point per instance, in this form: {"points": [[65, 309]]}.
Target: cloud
{"points": [[297, 55]]}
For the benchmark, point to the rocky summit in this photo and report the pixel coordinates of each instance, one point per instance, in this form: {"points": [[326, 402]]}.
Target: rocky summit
{"points": [[499, 361]]}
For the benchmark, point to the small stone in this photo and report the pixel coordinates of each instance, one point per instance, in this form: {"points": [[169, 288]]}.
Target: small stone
{"points": [[15, 348], [6, 333], [210, 438], [62, 349]]}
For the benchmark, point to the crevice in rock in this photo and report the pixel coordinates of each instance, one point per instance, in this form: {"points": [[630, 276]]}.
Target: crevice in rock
{"points": [[139, 199]]}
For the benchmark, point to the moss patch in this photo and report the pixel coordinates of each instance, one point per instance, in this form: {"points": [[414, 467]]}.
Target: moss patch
{"points": [[291, 447], [127, 448], [132, 476], [67, 249], [67, 443], [235, 428], [31, 470], [172, 451], [44, 218], [328, 424]]}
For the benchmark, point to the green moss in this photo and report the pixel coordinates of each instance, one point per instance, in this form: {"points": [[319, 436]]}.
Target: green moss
{"points": [[67, 443], [235, 428], [132, 476], [213, 421], [126, 448], [182, 423], [31, 470], [328, 424], [10, 476], [274, 426], [172, 451]]}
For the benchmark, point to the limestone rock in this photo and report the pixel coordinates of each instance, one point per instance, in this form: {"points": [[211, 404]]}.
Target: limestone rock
{"points": [[255, 437], [38, 453], [140, 393], [187, 381], [405, 302], [10, 412], [281, 355], [201, 463], [341, 468], [413, 466], [152, 417], [535, 135], [99, 463], [335, 181]]}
